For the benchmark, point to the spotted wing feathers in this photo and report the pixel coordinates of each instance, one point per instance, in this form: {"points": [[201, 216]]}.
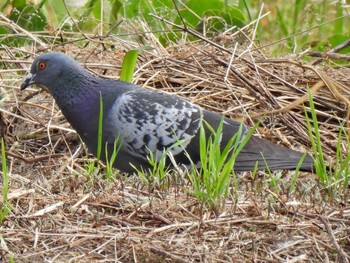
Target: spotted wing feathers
{"points": [[149, 121]]}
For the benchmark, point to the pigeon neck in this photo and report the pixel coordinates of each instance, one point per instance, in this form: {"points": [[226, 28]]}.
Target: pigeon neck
{"points": [[78, 96], [74, 87]]}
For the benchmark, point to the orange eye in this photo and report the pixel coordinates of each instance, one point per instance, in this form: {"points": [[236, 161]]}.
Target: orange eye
{"points": [[41, 65]]}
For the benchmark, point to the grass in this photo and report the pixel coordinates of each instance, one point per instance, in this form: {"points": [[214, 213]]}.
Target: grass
{"points": [[315, 139], [100, 130], [335, 177], [293, 26], [120, 215], [311, 26], [295, 177], [106, 221], [110, 160], [90, 166], [342, 174], [128, 66], [158, 176], [5, 206], [210, 183], [212, 180]]}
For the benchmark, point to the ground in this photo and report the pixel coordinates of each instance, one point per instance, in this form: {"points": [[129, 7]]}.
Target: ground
{"points": [[60, 214]]}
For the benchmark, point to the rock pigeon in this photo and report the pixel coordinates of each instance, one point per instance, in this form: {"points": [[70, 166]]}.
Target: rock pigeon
{"points": [[146, 120]]}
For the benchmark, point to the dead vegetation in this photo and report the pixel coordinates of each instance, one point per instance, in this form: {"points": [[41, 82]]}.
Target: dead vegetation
{"points": [[60, 215]]}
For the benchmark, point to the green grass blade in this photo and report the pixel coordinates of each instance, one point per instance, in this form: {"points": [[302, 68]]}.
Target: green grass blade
{"points": [[5, 210], [110, 160], [128, 65], [243, 4], [299, 5], [317, 130], [338, 25], [203, 147], [316, 143], [280, 19], [99, 132], [296, 173]]}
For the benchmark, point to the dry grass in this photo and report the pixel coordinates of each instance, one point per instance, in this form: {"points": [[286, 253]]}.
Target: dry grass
{"points": [[59, 215]]}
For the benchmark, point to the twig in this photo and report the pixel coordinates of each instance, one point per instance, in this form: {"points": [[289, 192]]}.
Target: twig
{"points": [[333, 50], [326, 55], [167, 254], [343, 258], [17, 29], [35, 159]]}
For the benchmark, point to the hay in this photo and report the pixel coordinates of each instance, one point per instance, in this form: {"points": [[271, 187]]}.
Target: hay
{"points": [[59, 215]]}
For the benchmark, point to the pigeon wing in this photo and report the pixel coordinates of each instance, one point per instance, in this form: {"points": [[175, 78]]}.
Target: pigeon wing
{"points": [[151, 121]]}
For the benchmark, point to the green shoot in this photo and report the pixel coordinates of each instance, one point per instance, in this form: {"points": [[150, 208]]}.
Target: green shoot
{"points": [[273, 179], [341, 173], [99, 131], [90, 165], [128, 65], [159, 171], [110, 161], [211, 182], [155, 176], [338, 177], [5, 208], [292, 185], [316, 143]]}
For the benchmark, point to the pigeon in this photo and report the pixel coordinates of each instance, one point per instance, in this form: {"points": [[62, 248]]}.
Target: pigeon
{"points": [[146, 121]]}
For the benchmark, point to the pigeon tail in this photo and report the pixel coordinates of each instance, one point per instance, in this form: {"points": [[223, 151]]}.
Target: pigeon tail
{"points": [[270, 156]]}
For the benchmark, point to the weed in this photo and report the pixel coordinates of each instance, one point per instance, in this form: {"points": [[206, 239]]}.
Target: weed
{"points": [[335, 177], [5, 207], [211, 181]]}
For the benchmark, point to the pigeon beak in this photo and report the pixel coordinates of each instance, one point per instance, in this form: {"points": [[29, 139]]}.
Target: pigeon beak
{"points": [[28, 80]]}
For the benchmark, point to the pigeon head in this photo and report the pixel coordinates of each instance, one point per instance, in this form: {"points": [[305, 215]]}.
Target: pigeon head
{"points": [[61, 76], [47, 69]]}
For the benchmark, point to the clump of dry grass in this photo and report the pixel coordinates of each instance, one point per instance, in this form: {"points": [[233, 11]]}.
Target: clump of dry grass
{"points": [[59, 215]]}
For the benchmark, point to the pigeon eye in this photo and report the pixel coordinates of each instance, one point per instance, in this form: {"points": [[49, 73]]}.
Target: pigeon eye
{"points": [[41, 65]]}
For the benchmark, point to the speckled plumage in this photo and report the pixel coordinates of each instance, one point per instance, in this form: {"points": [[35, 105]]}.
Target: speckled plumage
{"points": [[145, 120]]}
